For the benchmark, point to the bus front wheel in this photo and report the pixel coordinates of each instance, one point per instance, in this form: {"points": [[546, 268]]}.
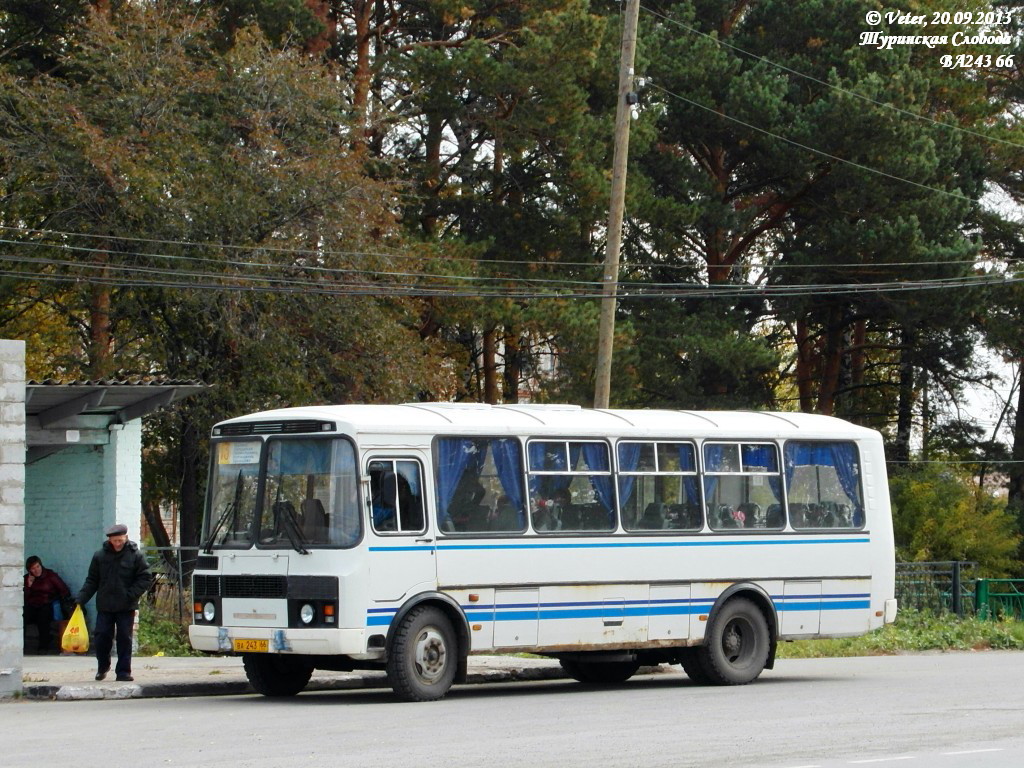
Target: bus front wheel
{"points": [[423, 658], [736, 649], [274, 675]]}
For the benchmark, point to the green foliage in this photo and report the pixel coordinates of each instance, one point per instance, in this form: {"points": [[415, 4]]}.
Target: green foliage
{"points": [[160, 633], [915, 632], [940, 515]]}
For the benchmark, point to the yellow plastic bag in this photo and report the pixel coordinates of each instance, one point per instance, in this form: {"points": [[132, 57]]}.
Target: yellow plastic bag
{"points": [[76, 636]]}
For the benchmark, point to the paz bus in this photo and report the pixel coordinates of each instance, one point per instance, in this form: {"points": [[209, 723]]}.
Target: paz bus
{"points": [[406, 537]]}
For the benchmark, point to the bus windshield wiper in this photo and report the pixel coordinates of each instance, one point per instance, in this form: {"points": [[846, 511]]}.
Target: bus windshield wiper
{"points": [[231, 508], [208, 544], [284, 515], [291, 528]]}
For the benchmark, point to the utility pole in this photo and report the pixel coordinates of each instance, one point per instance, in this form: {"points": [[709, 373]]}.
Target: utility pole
{"points": [[610, 286]]}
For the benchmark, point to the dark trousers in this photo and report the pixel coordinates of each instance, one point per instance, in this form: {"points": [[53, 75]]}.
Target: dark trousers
{"points": [[109, 623], [41, 616]]}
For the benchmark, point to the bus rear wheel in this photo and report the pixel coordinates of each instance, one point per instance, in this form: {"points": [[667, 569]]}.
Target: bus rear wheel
{"points": [[600, 672], [694, 670], [423, 658], [736, 649], [274, 675]]}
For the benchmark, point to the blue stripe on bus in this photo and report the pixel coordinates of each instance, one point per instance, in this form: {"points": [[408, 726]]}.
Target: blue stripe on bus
{"points": [[586, 610], [622, 544]]}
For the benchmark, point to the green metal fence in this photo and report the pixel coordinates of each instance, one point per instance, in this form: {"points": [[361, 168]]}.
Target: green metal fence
{"points": [[999, 598], [936, 588]]}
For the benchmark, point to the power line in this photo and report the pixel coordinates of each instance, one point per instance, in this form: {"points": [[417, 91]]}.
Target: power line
{"points": [[762, 265], [838, 88], [512, 289]]}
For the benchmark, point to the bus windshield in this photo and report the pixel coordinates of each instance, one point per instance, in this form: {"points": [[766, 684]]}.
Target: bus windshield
{"points": [[233, 481], [310, 498]]}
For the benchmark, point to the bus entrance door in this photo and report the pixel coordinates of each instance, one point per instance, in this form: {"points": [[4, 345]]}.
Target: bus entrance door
{"points": [[402, 554]]}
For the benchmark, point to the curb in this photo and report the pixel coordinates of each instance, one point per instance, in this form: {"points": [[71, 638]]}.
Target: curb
{"points": [[86, 692]]}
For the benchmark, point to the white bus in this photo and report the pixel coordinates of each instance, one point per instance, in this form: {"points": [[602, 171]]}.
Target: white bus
{"points": [[405, 537]]}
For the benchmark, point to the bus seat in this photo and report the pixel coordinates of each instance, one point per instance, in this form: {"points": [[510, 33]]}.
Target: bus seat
{"points": [[314, 519], [773, 517], [726, 518], [653, 517]]}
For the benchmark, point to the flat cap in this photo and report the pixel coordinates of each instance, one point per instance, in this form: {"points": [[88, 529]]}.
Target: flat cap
{"points": [[117, 530]]}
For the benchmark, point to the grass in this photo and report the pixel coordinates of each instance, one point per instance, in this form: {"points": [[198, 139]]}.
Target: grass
{"points": [[161, 633], [915, 632]]}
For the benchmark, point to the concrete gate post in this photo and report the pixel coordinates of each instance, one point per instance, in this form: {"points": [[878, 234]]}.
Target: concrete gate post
{"points": [[12, 513]]}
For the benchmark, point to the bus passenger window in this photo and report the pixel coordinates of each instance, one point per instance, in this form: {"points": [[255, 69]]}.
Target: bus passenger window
{"points": [[396, 503], [571, 486], [479, 484], [658, 487], [741, 483], [823, 485]]}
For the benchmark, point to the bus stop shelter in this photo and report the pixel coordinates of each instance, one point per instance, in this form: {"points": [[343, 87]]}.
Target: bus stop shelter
{"points": [[70, 466]]}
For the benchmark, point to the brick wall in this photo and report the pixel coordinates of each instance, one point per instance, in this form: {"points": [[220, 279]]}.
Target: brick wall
{"points": [[12, 511], [64, 510], [73, 496]]}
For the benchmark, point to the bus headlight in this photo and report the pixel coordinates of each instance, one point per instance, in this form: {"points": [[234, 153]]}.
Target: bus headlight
{"points": [[209, 611], [307, 613]]}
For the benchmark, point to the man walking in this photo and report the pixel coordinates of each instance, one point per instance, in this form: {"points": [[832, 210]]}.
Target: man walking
{"points": [[118, 576]]}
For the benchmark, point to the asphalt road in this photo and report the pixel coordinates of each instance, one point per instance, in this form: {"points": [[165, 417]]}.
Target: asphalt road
{"points": [[942, 710]]}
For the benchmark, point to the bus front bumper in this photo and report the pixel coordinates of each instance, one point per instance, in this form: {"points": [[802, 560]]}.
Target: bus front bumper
{"points": [[327, 642]]}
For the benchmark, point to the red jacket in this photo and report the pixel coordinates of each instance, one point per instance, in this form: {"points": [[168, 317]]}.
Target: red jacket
{"points": [[47, 588]]}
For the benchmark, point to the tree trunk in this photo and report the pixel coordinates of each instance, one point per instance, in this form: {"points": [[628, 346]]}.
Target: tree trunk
{"points": [[1015, 498], [804, 366], [490, 367], [513, 367], [101, 361], [151, 511], [191, 501], [362, 12], [833, 354], [858, 364], [905, 407]]}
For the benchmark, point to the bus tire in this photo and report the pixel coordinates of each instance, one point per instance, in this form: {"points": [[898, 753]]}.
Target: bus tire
{"points": [[694, 670], [274, 675], [600, 672], [736, 649], [423, 658]]}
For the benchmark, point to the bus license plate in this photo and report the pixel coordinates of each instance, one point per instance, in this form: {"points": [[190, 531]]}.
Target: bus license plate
{"points": [[244, 645]]}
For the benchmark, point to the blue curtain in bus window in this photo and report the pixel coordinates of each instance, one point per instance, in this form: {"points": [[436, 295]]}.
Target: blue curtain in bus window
{"points": [[714, 461], [688, 463], [510, 472], [841, 456], [844, 459], [547, 457], [763, 457], [629, 458], [596, 457], [453, 456]]}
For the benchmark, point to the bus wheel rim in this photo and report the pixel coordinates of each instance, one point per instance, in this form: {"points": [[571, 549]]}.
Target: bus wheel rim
{"points": [[430, 655], [734, 641]]}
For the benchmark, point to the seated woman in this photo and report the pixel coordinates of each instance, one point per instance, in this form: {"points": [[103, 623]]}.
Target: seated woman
{"points": [[44, 591]]}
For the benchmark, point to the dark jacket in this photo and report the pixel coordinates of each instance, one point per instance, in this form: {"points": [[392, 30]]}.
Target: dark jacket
{"points": [[118, 579], [47, 588]]}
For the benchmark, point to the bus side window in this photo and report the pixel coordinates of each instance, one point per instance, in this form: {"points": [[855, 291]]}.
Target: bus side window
{"points": [[396, 496]]}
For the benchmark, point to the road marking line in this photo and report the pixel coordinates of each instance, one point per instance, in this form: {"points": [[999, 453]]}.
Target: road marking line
{"points": [[974, 751], [883, 759]]}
